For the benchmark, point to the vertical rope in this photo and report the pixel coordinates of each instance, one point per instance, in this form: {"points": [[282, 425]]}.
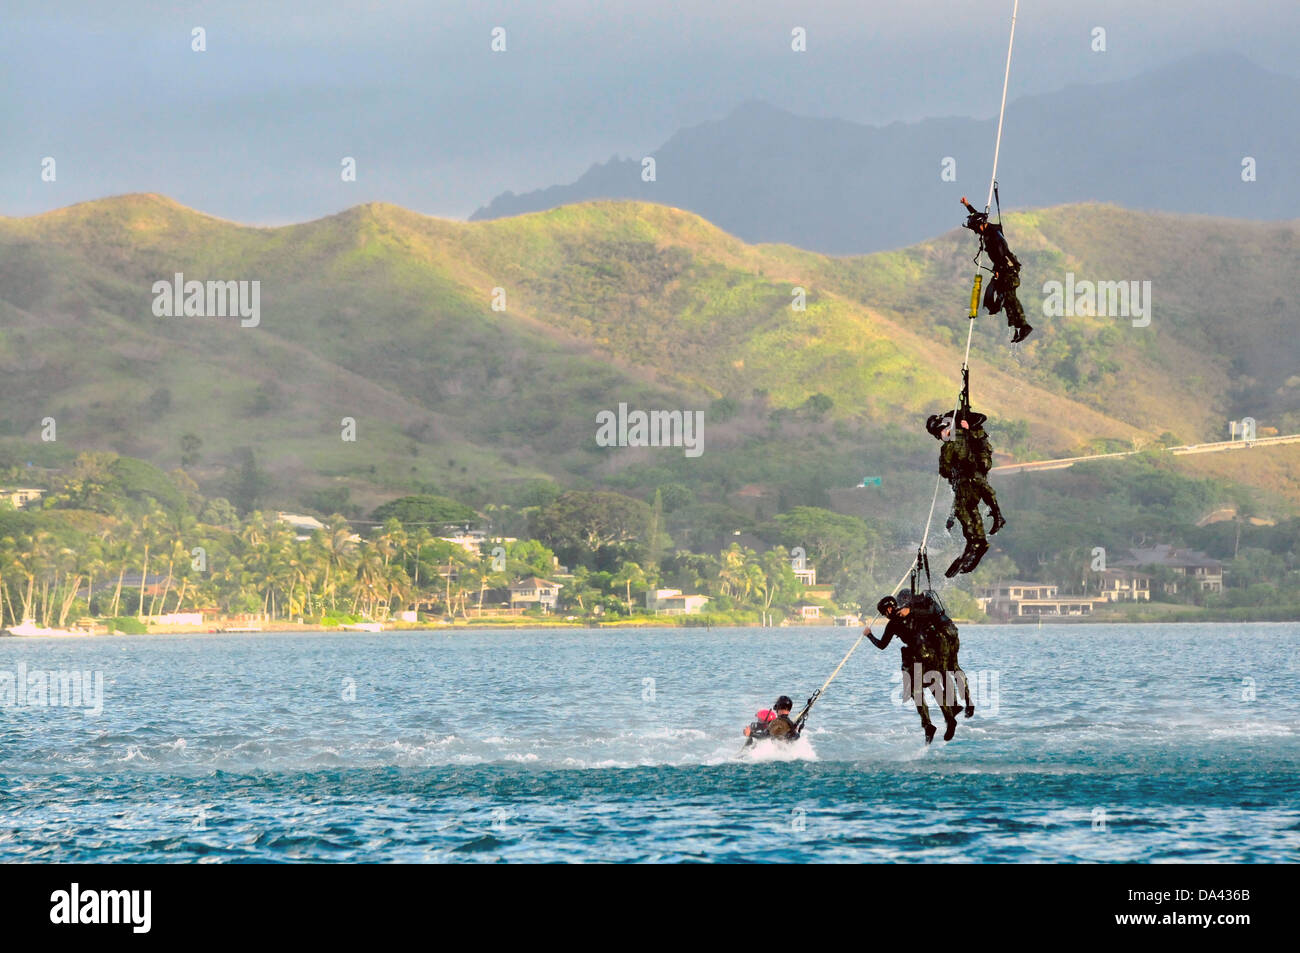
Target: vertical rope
{"points": [[1006, 79], [965, 361]]}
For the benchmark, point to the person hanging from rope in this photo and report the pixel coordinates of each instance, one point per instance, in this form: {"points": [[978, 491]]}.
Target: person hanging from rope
{"points": [[947, 639], [1001, 292], [912, 626], [773, 723], [964, 461]]}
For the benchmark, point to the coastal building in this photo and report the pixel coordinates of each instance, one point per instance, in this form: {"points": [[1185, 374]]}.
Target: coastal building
{"points": [[1124, 585], [673, 602], [194, 617], [154, 584], [302, 526], [809, 611], [473, 540], [1195, 568], [1020, 600], [22, 496], [535, 591]]}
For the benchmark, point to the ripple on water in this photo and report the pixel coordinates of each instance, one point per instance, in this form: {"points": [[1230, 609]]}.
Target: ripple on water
{"points": [[541, 746]]}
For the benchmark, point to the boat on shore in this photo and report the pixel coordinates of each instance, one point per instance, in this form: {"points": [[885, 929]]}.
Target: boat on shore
{"points": [[362, 627]]}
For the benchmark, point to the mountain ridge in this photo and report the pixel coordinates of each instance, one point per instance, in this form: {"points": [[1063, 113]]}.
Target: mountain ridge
{"points": [[844, 187], [385, 315]]}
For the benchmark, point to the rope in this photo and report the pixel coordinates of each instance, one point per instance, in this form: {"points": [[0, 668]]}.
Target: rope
{"points": [[938, 480], [1002, 112], [965, 364], [925, 538], [803, 715]]}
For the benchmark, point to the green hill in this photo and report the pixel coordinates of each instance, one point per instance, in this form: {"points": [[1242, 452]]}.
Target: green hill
{"points": [[386, 317]]}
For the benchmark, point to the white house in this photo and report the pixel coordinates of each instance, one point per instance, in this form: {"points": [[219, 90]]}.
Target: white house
{"points": [[472, 540], [535, 591], [1028, 599], [303, 526], [1124, 585], [673, 602], [1202, 571]]}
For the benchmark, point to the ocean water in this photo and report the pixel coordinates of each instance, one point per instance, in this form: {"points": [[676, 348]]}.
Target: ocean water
{"points": [[1089, 743]]}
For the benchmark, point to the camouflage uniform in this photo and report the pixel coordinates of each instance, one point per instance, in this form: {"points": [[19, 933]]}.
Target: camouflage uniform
{"points": [[782, 728], [958, 465]]}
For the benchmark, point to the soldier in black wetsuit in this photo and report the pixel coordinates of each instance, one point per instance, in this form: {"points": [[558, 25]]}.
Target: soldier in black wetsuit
{"points": [[913, 627], [1001, 292], [947, 641]]}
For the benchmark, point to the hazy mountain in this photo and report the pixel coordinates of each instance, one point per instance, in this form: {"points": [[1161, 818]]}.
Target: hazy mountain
{"points": [[1172, 139]]}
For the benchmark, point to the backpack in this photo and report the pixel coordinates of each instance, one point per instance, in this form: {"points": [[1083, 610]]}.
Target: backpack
{"points": [[943, 632], [979, 451], [781, 728]]}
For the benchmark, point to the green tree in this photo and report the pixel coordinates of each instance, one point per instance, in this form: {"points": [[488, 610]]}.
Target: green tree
{"points": [[190, 446], [437, 512], [592, 528], [249, 482], [629, 574]]}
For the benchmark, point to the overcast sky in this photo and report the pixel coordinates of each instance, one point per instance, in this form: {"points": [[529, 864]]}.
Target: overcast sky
{"points": [[254, 128]]}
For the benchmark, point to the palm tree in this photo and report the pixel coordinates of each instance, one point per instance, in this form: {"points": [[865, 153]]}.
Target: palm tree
{"points": [[629, 574], [146, 533], [391, 541], [340, 549], [74, 574], [733, 572], [174, 530], [775, 579], [6, 561], [368, 577], [421, 539]]}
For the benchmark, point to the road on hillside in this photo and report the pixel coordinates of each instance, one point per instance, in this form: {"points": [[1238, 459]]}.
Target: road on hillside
{"points": [[1190, 448]]}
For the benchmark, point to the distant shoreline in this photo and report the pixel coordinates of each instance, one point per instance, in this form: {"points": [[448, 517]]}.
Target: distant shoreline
{"points": [[282, 628]]}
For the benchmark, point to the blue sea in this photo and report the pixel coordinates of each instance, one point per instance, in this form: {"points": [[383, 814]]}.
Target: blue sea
{"points": [[1089, 743]]}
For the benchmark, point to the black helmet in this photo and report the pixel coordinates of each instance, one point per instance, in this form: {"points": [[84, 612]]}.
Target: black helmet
{"points": [[975, 219], [885, 604], [936, 424], [783, 702]]}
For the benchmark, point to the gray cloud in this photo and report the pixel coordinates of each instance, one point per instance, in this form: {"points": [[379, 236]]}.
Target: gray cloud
{"points": [[254, 128]]}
